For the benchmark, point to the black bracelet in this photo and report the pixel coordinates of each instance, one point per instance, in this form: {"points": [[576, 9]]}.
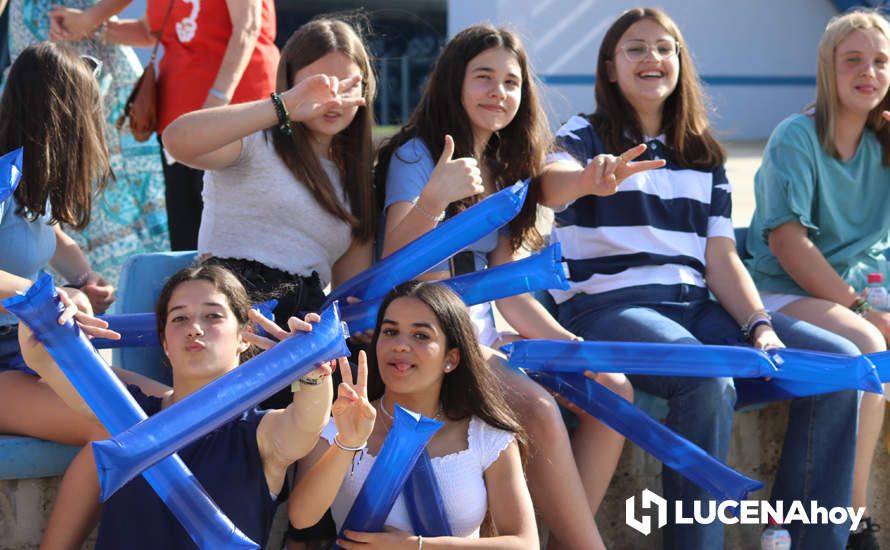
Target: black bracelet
{"points": [[281, 111]]}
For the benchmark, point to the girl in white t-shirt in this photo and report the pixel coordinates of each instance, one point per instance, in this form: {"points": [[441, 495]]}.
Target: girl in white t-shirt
{"points": [[426, 358], [288, 205]]}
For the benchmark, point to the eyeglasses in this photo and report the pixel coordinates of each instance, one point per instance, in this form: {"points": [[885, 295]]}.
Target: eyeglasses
{"points": [[95, 65], [637, 50]]}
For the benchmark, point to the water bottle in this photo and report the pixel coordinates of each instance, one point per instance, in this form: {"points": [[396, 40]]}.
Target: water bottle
{"points": [[876, 294], [775, 537]]}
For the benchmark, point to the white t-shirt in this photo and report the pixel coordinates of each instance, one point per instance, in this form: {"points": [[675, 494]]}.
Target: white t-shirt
{"points": [[459, 475], [256, 210]]}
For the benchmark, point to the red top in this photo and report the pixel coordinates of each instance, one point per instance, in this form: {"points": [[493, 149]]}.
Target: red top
{"points": [[194, 42], [875, 278]]}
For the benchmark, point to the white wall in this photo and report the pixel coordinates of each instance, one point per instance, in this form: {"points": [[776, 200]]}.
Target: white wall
{"points": [[758, 42]]}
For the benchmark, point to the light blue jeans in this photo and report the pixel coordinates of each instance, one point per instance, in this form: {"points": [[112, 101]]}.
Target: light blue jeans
{"points": [[820, 443]]}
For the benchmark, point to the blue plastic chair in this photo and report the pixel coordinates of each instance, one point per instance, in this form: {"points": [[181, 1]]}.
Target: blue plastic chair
{"points": [[142, 278]]}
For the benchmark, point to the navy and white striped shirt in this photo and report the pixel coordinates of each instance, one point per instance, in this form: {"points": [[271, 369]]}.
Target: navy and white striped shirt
{"points": [[654, 230]]}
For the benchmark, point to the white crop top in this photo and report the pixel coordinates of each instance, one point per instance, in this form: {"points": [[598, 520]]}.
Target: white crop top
{"points": [[460, 478], [256, 210]]}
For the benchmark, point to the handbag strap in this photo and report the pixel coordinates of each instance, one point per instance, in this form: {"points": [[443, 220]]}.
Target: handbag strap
{"points": [[154, 51]]}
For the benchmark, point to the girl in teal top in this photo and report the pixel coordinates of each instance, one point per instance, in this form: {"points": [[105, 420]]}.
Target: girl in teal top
{"points": [[821, 224]]}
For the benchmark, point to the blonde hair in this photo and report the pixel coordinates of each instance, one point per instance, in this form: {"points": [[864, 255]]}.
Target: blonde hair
{"points": [[827, 103]]}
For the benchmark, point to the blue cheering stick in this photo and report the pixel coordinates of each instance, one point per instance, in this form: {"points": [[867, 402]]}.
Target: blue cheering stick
{"points": [[140, 330], [754, 391], [137, 330], [829, 369], [423, 499], [39, 308], [431, 248], [881, 361], [10, 172], [401, 449], [672, 450], [564, 356], [122, 457], [542, 271], [810, 367]]}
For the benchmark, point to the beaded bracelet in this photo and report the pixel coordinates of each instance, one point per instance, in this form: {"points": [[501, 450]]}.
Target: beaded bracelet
{"points": [[426, 213], [860, 306], [283, 117]]}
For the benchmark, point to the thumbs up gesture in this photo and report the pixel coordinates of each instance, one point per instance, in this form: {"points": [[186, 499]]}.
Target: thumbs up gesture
{"points": [[452, 179]]}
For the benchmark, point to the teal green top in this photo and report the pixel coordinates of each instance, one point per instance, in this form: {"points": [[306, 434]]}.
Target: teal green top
{"points": [[845, 206]]}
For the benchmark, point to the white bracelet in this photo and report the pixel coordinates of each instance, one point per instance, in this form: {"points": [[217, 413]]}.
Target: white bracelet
{"points": [[349, 449], [219, 95]]}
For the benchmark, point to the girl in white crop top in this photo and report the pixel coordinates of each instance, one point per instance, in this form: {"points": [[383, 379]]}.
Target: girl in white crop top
{"points": [[426, 358]]}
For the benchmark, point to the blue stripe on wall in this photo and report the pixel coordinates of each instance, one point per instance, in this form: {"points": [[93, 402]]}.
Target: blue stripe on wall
{"points": [[713, 80]]}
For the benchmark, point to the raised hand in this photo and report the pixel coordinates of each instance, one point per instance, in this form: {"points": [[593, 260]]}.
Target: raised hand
{"points": [[315, 95], [452, 179], [606, 172], [353, 413], [69, 24], [99, 291]]}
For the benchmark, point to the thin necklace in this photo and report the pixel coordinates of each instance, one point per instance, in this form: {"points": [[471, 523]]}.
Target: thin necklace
{"points": [[382, 408]]}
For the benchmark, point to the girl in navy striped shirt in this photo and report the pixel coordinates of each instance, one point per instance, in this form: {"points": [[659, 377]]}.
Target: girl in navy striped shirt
{"points": [[646, 248]]}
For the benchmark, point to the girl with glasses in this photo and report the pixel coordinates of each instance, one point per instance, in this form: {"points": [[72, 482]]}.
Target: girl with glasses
{"points": [[820, 224], [646, 249]]}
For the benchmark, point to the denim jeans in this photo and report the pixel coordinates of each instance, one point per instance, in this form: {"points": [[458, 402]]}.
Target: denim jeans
{"points": [[816, 464]]}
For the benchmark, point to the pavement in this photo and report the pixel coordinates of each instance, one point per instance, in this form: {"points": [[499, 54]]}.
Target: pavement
{"points": [[743, 160]]}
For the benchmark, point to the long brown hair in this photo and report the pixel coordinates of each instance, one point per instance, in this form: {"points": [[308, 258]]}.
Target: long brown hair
{"points": [[515, 152], [352, 149], [470, 389], [826, 81], [685, 112], [51, 107]]}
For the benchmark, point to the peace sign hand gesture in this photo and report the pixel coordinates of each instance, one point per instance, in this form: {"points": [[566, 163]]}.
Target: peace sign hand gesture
{"points": [[606, 172], [353, 413], [316, 95]]}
